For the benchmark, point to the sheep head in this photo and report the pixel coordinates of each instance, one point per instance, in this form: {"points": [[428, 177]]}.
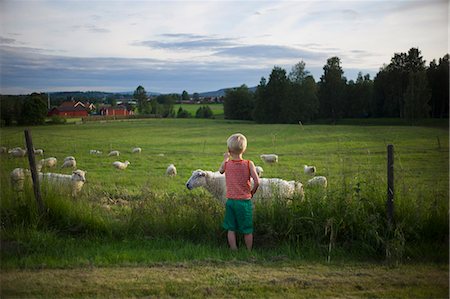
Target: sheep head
{"points": [[197, 179]]}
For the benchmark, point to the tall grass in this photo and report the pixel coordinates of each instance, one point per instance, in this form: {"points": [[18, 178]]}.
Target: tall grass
{"points": [[140, 204]]}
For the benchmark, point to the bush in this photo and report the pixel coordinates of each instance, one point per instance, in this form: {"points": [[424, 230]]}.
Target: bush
{"points": [[204, 112], [57, 120], [182, 113]]}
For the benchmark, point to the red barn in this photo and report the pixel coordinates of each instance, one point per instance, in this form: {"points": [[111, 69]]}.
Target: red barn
{"points": [[71, 109], [117, 110]]}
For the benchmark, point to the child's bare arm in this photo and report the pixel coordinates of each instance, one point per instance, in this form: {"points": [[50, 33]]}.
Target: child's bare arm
{"points": [[226, 156], [255, 178]]}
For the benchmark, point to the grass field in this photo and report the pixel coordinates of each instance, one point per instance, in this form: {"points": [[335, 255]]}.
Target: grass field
{"points": [[217, 109], [122, 215]]}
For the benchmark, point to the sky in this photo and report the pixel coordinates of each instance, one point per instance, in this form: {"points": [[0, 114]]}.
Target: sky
{"points": [[198, 46]]}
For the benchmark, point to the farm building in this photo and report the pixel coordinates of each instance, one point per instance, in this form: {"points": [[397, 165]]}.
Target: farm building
{"points": [[117, 110], [72, 109]]}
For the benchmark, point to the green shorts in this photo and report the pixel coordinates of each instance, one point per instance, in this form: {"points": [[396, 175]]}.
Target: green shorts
{"points": [[239, 216]]}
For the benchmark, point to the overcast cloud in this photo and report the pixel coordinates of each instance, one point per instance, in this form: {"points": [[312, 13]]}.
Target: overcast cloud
{"points": [[171, 46]]}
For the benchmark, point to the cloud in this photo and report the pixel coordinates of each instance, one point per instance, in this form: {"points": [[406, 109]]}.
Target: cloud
{"points": [[185, 41], [5, 40]]}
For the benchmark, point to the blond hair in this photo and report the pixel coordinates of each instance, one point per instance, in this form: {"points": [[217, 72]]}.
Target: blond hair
{"points": [[237, 143]]}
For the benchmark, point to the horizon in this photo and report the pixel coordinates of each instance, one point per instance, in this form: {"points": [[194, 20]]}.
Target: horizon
{"points": [[171, 46]]}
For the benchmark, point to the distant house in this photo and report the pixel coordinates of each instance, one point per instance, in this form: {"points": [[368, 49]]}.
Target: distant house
{"points": [[72, 109], [116, 110]]}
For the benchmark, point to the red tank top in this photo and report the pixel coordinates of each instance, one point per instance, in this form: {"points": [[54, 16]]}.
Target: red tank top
{"points": [[237, 178]]}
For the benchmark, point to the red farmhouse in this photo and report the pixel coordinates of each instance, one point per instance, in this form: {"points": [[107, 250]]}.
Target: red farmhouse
{"points": [[71, 109], [118, 110]]}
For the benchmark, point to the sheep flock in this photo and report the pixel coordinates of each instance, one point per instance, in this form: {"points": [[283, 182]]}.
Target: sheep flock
{"points": [[212, 181]]}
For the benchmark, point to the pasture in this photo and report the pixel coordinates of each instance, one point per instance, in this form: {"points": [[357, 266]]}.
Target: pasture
{"points": [[142, 206]]}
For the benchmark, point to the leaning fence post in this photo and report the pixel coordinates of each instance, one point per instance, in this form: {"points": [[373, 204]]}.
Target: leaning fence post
{"points": [[34, 174], [390, 185]]}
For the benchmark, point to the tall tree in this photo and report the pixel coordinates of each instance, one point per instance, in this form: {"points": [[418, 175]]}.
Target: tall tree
{"points": [[260, 111], [276, 93], [238, 103], [34, 109], [332, 89], [140, 95], [438, 79], [298, 73], [417, 96], [185, 96]]}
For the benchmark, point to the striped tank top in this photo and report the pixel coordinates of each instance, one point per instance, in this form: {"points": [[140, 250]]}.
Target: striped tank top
{"points": [[237, 178]]}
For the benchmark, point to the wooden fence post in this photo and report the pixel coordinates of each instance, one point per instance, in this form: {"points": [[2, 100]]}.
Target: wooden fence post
{"points": [[390, 185], [34, 174]]}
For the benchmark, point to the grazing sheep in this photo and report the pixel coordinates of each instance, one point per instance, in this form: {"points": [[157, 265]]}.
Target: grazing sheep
{"points": [[95, 152], [18, 176], [75, 181], [171, 170], [136, 150], [17, 152], [69, 163], [269, 188], [259, 170], [311, 170], [120, 165], [269, 158], [113, 153], [39, 152], [49, 162], [318, 181]]}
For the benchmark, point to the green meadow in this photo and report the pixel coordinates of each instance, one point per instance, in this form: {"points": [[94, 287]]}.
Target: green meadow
{"points": [[139, 216]]}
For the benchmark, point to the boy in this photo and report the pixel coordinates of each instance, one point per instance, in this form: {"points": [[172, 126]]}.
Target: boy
{"points": [[239, 208]]}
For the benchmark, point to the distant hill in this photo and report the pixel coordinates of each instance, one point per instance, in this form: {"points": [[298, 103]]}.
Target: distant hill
{"points": [[221, 92]]}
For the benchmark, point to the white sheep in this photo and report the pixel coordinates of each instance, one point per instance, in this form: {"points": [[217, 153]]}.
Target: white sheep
{"points": [[113, 153], [311, 170], [49, 162], [171, 170], [269, 158], [3, 150], [95, 152], [39, 152], [318, 181], [269, 188], [69, 163], [136, 150], [259, 170], [121, 165], [17, 152], [74, 181], [18, 176]]}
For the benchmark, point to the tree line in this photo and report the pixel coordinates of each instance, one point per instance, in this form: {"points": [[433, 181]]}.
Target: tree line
{"points": [[405, 88]]}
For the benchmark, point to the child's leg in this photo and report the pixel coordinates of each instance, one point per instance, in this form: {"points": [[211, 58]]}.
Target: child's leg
{"points": [[232, 240], [248, 238]]}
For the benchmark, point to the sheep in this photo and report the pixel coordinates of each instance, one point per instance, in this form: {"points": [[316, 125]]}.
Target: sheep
{"points": [[171, 170], [49, 162], [18, 176], [311, 170], [39, 152], [113, 153], [318, 181], [95, 152], [3, 150], [269, 158], [259, 170], [136, 150], [214, 182], [120, 165], [17, 152], [69, 163], [76, 180]]}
